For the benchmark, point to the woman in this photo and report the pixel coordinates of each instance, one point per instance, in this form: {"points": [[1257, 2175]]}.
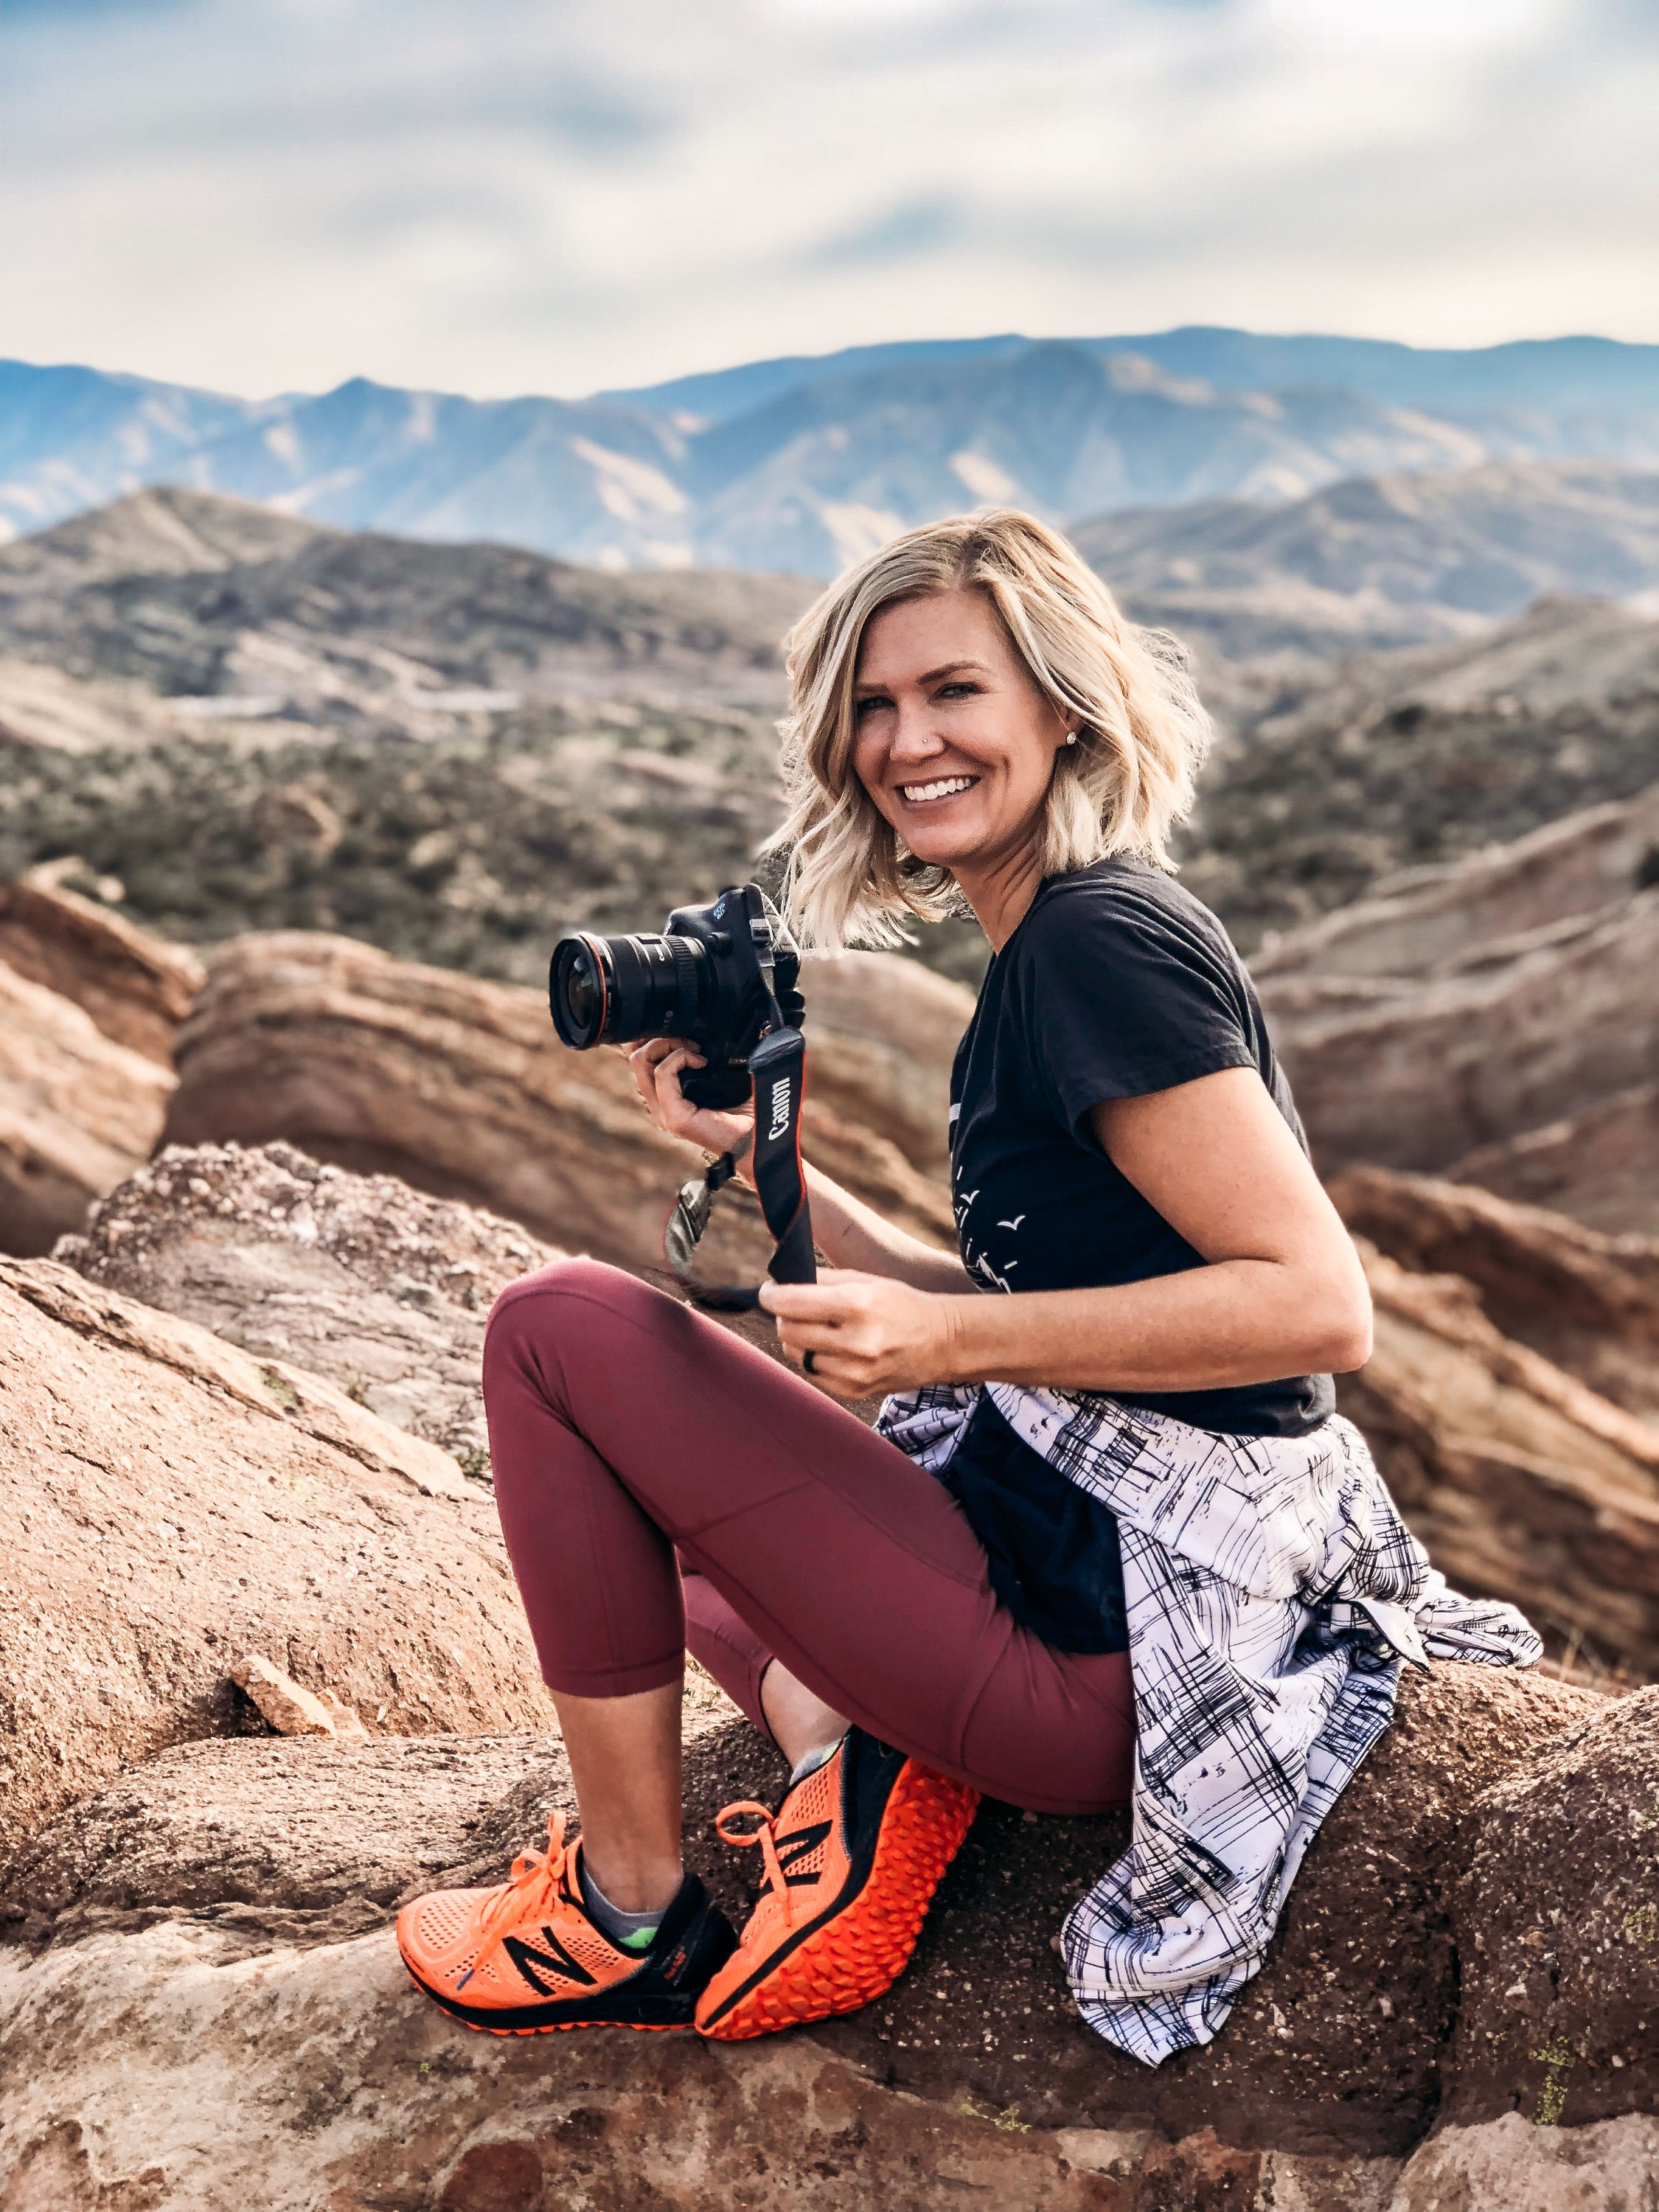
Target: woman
{"points": [[945, 1607]]}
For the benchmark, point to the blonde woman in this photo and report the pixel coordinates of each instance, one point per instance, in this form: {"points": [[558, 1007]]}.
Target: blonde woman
{"points": [[1116, 1415]]}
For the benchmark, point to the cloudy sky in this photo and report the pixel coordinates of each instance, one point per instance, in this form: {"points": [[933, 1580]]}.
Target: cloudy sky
{"points": [[501, 196]]}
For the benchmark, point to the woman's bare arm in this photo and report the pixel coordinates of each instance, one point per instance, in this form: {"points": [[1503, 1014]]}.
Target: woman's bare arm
{"points": [[1283, 1293], [850, 1234], [853, 1236]]}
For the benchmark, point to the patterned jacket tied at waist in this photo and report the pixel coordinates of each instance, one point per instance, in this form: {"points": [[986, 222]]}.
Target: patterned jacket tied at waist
{"points": [[1273, 1591]]}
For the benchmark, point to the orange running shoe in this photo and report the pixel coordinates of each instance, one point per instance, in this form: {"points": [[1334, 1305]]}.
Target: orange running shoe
{"points": [[524, 1958], [852, 1859]]}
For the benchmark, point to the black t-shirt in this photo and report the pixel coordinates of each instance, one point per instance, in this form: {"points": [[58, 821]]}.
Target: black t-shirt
{"points": [[1117, 982]]}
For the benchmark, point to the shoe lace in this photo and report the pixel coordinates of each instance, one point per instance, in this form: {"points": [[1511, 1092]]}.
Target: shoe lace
{"points": [[532, 1888], [764, 1834]]}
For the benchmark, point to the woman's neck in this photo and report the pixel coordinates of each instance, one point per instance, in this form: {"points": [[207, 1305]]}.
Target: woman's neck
{"points": [[1001, 893]]}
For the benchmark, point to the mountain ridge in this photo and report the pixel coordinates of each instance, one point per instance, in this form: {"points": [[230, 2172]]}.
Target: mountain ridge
{"points": [[799, 466]]}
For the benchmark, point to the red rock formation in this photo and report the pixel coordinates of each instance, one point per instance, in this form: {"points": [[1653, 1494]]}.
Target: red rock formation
{"points": [[1522, 1482], [1588, 1302], [895, 1027], [462, 1089], [137, 987], [1601, 1165], [77, 1113], [170, 1910]]}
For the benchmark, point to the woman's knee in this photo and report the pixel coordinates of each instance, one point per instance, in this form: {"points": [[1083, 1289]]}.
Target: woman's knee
{"points": [[535, 1319]]}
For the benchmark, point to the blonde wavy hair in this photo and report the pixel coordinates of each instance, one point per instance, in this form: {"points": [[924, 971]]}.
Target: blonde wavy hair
{"points": [[1142, 734]]}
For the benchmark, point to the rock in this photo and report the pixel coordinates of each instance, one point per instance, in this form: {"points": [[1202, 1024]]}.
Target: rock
{"points": [[77, 1113], [1601, 1166], [347, 1723], [291, 1710], [1513, 2165], [308, 1402], [896, 1028], [460, 1088], [209, 1937], [1417, 922], [1521, 1482], [381, 1288], [1416, 1073], [137, 987], [171, 1503], [1439, 1023], [1587, 1301], [1557, 1914]]}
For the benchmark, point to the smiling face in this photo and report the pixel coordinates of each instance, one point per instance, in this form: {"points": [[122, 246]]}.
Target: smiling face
{"points": [[953, 740]]}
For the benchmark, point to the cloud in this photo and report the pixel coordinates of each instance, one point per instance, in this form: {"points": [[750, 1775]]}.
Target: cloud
{"points": [[517, 197]]}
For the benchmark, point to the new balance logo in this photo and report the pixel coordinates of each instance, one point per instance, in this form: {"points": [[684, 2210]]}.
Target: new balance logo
{"points": [[561, 1963], [800, 1845]]}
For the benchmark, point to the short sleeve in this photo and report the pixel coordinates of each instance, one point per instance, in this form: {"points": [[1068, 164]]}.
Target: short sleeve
{"points": [[1126, 991]]}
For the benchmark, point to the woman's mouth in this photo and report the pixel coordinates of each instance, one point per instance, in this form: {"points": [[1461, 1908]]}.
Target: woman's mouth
{"points": [[924, 794]]}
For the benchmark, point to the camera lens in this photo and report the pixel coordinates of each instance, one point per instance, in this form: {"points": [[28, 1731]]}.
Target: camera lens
{"points": [[579, 990], [616, 990]]}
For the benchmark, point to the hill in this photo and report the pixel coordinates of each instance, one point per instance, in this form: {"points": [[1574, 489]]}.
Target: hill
{"points": [[799, 466], [207, 599], [1333, 777], [244, 721], [1383, 561]]}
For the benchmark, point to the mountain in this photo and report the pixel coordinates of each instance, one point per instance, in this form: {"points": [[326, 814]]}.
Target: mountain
{"points": [[799, 466], [1571, 374], [1383, 561]]}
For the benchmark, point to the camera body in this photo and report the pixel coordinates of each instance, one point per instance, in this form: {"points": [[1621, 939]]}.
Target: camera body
{"points": [[721, 976]]}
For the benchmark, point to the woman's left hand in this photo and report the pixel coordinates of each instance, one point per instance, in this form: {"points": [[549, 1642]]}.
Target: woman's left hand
{"points": [[867, 1333]]}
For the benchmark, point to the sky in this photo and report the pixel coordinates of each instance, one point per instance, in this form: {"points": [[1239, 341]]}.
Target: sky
{"points": [[505, 196]]}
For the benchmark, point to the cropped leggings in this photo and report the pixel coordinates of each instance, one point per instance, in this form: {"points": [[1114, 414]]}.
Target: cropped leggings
{"points": [[663, 1484]]}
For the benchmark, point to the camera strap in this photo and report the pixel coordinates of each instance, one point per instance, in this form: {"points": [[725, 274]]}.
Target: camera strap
{"points": [[777, 1068]]}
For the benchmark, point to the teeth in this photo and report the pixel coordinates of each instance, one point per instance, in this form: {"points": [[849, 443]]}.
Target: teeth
{"points": [[917, 791]]}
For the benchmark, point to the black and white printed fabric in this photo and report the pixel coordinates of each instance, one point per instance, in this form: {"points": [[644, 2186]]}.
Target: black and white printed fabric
{"points": [[1273, 1591]]}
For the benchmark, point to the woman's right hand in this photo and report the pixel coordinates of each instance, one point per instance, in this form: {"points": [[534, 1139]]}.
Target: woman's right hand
{"points": [[657, 1064]]}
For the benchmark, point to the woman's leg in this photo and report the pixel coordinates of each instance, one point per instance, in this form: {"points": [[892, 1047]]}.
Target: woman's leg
{"points": [[623, 1425], [757, 1682]]}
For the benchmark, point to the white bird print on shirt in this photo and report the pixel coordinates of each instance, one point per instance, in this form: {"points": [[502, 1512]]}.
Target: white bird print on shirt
{"points": [[1014, 1223]]}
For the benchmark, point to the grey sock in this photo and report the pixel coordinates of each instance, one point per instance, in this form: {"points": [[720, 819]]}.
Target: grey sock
{"points": [[628, 1931], [810, 1761]]}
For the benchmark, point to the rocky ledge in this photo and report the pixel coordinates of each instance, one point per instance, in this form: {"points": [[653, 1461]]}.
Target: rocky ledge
{"points": [[201, 2004]]}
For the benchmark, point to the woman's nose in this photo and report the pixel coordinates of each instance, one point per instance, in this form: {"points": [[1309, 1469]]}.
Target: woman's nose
{"points": [[913, 737]]}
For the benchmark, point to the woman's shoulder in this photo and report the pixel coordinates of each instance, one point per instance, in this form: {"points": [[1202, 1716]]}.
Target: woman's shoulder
{"points": [[1123, 906]]}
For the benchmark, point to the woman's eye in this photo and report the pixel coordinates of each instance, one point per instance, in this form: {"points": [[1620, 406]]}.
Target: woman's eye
{"points": [[959, 691], [866, 706]]}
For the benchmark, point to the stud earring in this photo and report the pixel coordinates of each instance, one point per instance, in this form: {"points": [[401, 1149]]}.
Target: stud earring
{"points": [[1071, 737]]}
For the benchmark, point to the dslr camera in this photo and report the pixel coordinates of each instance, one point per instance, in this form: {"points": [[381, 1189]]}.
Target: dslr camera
{"points": [[722, 976]]}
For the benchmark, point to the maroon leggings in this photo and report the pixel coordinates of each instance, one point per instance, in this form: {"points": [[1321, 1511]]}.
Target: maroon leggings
{"points": [[624, 1428]]}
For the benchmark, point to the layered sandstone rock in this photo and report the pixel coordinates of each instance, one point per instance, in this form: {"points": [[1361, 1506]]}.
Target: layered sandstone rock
{"points": [[1522, 1482], [136, 987], [1416, 922], [462, 1089], [1461, 1009], [1417, 1071], [892, 1029], [1601, 1165], [173, 1503], [77, 1113], [209, 1999], [1587, 1301]]}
